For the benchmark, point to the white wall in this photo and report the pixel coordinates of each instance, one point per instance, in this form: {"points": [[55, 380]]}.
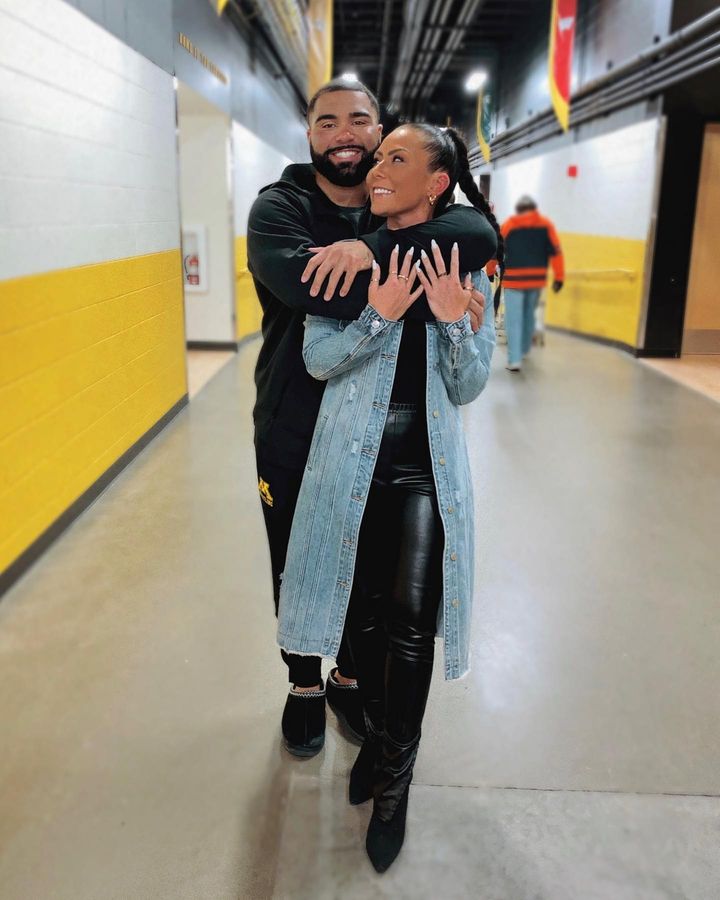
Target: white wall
{"points": [[87, 144], [256, 164], [204, 142], [612, 194]]}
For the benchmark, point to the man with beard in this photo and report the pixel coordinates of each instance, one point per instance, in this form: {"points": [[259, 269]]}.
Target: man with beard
{"points": [[291, 224]]}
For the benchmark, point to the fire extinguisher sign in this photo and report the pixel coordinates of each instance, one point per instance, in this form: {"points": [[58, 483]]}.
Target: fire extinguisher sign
{"points": [[194, 258]]}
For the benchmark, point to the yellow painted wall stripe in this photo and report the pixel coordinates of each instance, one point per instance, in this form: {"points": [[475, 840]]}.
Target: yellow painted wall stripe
{"points": [[603, 289], [90, 359], [248, 312]]}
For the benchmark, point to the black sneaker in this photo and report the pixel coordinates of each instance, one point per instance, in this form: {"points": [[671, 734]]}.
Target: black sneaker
{"points": [[303, 723], [344, 700]]}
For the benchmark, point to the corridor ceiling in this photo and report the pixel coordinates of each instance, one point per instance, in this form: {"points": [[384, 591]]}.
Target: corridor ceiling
{"points": [[416, 54]]}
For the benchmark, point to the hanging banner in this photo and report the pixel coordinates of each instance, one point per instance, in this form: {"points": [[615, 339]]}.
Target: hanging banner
{"points": [[562, 36], [482, 123], [320, 43]]}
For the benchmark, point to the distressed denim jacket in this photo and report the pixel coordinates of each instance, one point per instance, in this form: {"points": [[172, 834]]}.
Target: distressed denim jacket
{"points": [[358, 360]]}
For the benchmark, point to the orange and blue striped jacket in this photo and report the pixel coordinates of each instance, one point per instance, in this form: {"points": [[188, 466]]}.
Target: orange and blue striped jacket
{"points": [[530, 243]]}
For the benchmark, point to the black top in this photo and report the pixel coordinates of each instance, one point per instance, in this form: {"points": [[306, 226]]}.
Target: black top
{"points": [[411, 368], [286, 219]]}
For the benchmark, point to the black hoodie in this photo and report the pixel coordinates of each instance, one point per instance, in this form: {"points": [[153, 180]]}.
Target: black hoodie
{"points": [[286, 219]]}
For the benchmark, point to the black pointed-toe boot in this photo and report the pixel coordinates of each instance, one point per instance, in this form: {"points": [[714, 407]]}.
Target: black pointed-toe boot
{"points": [[363, 772], [386, 831]]}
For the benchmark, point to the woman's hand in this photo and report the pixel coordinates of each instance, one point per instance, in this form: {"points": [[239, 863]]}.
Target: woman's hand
{"points": [[448, 299], [332, 262], [393, 298]]}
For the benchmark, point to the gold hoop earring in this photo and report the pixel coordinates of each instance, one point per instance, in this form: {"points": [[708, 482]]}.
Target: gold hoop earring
{"points": [[432, 198]]}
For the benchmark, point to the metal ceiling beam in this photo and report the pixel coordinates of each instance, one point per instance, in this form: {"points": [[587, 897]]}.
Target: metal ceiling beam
{"points": [[384, 42], [432, 33], [414, 14], [465, 19]]}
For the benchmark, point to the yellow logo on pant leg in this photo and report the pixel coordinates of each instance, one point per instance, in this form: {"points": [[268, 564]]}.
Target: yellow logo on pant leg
{"points": [[265, 494]]}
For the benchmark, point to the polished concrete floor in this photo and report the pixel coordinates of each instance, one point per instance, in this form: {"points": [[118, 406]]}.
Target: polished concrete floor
{"points": [[203, 366], [140, 689]]}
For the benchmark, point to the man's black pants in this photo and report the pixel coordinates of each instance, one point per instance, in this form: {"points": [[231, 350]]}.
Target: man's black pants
{"points": [[279, 488]]}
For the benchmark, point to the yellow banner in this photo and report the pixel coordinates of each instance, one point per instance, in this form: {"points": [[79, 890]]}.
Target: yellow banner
{"points": [[482, 125], [220, 6], [320, 43]]}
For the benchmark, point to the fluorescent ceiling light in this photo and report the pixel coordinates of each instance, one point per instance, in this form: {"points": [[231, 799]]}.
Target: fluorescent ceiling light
{"points": [[475, 81]]}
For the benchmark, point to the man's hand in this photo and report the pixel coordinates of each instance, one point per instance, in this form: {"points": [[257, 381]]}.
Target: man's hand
{"points": [[557, 286], [332, 262], [476, 306]]}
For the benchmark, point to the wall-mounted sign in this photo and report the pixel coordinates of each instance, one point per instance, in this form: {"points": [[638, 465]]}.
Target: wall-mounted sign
{"points": [[185, 42]]}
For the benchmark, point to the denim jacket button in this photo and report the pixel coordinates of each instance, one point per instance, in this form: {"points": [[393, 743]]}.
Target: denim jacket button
{"points": [[455, 603], [436, 413], [442, 460], [375, 324], [450, 509], [455, 332], [453, 556]]}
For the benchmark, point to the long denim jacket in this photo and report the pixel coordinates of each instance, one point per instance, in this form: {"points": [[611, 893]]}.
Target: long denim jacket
{"points": [[358, 360]]}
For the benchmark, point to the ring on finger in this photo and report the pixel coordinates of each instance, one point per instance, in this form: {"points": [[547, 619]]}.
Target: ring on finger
{"points": [[404, 277], [443, 274]]}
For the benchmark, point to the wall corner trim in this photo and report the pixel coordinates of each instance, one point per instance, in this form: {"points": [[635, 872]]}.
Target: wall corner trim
{"points": [[595, 339]]}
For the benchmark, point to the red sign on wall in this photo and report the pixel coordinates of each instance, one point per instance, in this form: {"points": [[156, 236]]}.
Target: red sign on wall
{"points": [[562, 37]]}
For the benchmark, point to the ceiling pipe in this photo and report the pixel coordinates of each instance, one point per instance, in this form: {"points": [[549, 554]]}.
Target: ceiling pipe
{"points": [[432, 34], [251, 29], [384, 42], [414, 14], [287, 27], [467, 14], [615, 89], [609, 104]]}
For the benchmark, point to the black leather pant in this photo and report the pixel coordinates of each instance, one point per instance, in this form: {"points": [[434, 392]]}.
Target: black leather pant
{"points": [[282, 487], [397, 589]]}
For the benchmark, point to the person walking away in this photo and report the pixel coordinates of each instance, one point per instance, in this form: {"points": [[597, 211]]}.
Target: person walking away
{"points": [[531, 243]]}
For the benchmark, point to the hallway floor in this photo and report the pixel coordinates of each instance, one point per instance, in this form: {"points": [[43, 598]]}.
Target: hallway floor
{"points": [[141, 690]]}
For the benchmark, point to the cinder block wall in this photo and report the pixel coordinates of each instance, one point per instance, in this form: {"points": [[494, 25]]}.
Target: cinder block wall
{"points": [[604, 220], [91, 308]]}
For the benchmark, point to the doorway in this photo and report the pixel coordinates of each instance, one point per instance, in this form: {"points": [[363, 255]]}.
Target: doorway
{"points": [[701, 333], [206, 212]]}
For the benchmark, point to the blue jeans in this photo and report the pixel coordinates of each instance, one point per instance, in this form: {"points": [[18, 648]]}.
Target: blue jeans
{"points": [[520, 322]]}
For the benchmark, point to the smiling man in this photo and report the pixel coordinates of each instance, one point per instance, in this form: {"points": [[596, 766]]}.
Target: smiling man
{"points": [[313, 206]]}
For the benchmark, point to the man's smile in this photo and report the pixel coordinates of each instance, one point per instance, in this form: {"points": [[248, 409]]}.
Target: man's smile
{"points": [[346, 154]]}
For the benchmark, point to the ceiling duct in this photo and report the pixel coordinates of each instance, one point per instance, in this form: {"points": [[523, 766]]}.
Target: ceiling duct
{"points": [[414, 15], [463, 21], [682, 55], [285, 21]]}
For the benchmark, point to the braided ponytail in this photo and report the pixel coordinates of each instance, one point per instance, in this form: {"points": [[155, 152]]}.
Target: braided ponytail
{"points": [[449, 153], [467, 185]]}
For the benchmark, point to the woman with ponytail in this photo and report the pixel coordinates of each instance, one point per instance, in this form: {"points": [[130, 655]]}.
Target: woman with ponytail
{"points": [[383, 529]]}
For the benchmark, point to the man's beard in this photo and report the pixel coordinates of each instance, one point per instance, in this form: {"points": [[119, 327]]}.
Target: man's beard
{"points": [[343, 174]]}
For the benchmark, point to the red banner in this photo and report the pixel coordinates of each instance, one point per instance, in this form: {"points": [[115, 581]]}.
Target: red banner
{"points": [[562, 37]]}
